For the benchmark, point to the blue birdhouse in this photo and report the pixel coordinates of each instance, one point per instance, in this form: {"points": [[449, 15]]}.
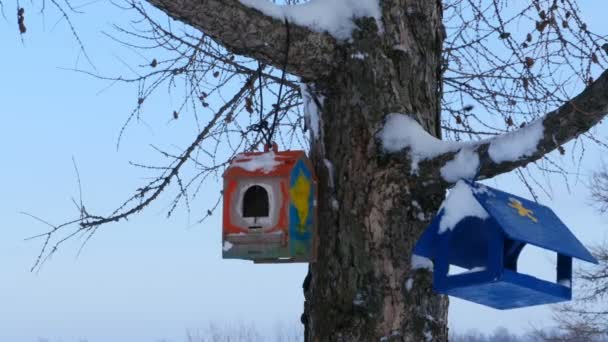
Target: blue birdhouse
{"points": [[484, 231]]}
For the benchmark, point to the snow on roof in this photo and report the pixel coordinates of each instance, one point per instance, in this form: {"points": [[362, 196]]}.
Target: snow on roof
{"points": [[265, 162], [517, 144], [332, 16], [400, 131], [459, 204]]}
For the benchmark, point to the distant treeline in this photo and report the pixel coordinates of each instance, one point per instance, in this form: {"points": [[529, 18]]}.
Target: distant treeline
{"points": [[541, 335]]}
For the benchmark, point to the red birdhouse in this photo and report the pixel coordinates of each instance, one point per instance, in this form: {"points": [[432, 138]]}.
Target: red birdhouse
{"points": [[270, 207]]}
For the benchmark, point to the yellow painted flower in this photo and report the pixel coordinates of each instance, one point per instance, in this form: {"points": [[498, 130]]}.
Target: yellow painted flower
{"points": [[300, 194], [521, 210]]}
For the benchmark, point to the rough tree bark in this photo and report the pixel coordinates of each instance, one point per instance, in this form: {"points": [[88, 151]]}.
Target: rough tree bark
{"points": [[371, 207]]}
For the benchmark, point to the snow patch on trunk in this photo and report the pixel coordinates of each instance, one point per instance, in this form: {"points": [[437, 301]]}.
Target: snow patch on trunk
{"points": [[459, 204], [312, 114], [409, 283], [335, 17], [330, 172], [420, 262]]}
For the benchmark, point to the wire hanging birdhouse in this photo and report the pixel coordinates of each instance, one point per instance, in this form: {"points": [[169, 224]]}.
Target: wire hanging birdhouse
{"points": [[484, 230], [270, 207]]}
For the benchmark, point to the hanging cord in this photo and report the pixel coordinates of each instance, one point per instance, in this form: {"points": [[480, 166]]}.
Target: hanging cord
{"points": [[277, 105], [262, 126]]}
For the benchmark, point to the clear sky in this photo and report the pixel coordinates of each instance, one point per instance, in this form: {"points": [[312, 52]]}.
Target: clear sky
{"points": [[151, 277]]}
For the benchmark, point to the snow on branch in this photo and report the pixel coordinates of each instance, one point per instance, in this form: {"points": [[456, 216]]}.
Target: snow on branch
{"points": [[334, 16], [403, 133], [435, 159], [251, 32]]}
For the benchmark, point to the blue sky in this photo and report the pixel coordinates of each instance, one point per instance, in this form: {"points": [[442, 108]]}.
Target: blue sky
{"points": [[150, 277]]}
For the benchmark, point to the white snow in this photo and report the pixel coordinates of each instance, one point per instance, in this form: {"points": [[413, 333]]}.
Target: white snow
{"points": [[330, 172], [474, 270], [420, 262], [420, 214], [481, 189], [227, 246], [409, 283], [311, 111], [332, 16], [459, 204], [265, 162], [517, 144], [565, 282], [359, 300], [359, 55], [421, 217], [335, 205], [400, 47], [401, 131], [463, 166]]}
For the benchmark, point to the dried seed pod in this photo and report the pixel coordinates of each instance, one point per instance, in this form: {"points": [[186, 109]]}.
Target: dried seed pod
{"points": [[541, 25], [594, 58], [529, 62]]}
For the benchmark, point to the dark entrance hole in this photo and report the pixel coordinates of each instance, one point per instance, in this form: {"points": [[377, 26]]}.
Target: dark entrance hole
{"points": [[256, 203]]}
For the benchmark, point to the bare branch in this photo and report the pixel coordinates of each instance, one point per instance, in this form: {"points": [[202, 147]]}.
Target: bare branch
{"points": [[567, 122], [248, 32]]}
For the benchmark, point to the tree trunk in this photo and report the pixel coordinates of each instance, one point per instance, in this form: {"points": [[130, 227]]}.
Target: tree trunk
{"points": [[372, 210]]}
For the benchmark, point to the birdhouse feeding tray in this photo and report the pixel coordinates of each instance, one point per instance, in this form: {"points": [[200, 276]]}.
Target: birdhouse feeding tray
{"points": [[270, 207], [484, 230]]}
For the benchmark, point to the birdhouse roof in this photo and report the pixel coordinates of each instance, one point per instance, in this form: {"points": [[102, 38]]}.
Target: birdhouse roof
{"points": [[530, 222], [520, 220], [270, 163]]}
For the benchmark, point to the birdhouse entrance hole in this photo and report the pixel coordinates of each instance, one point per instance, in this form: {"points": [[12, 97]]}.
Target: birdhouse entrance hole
{"points": [[256, 205]]}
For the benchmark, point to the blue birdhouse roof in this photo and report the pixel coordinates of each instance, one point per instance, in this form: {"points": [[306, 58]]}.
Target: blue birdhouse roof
{"points": [[520, 220]]}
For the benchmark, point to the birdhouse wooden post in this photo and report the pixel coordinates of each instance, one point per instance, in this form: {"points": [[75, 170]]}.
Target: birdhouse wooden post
{"points": [[270, 207], [484, 231]]}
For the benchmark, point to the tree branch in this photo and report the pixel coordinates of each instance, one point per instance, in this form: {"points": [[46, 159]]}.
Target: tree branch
{"points": [[567, 122], [246, 31]]}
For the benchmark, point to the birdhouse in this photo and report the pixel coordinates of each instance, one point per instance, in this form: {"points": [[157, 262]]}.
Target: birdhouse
{"points": [[484, 230], [270, 207]]}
